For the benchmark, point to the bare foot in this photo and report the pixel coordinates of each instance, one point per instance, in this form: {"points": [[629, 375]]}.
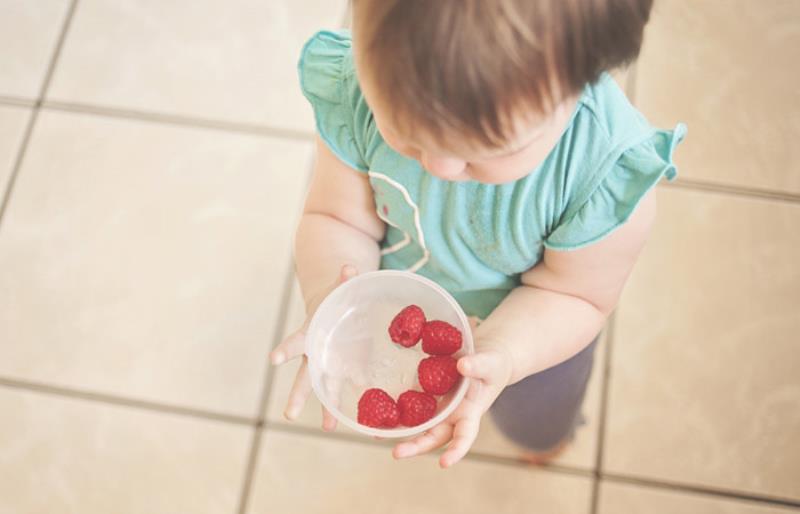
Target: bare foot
{"points": [[545, 457]]}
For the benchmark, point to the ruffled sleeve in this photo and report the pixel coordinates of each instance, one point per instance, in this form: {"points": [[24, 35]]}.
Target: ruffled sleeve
{"points": [[619, 190], [325, 80]]}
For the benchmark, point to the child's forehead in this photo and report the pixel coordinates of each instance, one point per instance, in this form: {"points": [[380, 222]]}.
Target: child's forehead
{"points": [[450, 141]]}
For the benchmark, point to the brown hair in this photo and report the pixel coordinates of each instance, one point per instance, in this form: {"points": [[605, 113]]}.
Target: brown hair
{"points": [[465, 66]]}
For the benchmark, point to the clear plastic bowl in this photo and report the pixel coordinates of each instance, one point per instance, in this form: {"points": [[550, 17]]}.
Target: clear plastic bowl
{"points": [[349, 349]]}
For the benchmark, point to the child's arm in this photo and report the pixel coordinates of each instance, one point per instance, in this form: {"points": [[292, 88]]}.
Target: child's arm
{"points": [[561, 306], [565, 299], [339, 225], [339, 228]]}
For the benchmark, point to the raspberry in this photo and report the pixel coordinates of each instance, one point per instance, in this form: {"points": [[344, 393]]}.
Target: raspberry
{"points": [[406, 327], [437, 374], [415, 408], [377, 409], [440, 338]]}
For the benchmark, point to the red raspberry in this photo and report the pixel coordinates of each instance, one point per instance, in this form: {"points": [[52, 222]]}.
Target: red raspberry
{"points": [[416, 408], [377, 409], [440, 338], [437, 374], [406, 327]]}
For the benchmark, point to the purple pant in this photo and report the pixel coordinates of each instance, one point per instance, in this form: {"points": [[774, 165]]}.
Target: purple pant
{"points": [[541, 410]]}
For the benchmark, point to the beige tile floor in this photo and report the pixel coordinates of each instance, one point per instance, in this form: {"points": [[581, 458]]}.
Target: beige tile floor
{"points": [[144, 275]]}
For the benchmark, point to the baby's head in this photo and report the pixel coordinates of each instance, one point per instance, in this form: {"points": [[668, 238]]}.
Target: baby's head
{"points": [[480, 89]]}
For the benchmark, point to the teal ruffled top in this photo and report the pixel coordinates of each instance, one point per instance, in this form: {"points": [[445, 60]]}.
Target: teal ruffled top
{"points": [[476, 239]]}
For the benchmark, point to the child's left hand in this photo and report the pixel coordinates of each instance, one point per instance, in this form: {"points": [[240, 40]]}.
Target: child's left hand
{"points": [[489, 371]]}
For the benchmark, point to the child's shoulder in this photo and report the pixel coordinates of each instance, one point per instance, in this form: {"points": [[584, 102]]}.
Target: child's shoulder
{"points": [[326, 66], [612, 159], [611, 112], [328, 81]]}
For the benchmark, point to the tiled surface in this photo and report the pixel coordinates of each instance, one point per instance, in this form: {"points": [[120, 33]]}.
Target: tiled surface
{"points": [[729, 69], [628, 499], [146, 260], [705, 387], [13, 121], [339, 476], [225, 60], [74, 456], [28, 34]]}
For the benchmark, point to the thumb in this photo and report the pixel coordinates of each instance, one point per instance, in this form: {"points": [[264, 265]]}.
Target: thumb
{"points": [[482, 365], [347, 272]]}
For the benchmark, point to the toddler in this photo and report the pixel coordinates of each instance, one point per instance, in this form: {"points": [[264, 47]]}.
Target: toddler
{"points": [[482, 144]]}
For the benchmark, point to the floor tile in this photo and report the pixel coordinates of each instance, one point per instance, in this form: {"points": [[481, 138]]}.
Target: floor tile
{"points": [[28, 35], [146, 260], [13, 121], [626, 499], [225, 60], [75, 456], [704, 386], [321, 475], [729, 70], [582, 453]]}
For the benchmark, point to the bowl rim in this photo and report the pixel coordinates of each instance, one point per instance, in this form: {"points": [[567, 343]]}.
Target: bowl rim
{"points": [[315, 375]]}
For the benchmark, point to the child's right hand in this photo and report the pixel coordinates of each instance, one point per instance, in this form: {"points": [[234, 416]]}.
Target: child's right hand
{"points": [[294, 346]]}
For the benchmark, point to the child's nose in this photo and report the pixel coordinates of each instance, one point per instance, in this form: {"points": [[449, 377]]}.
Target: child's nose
{"points": [[443, 167]]}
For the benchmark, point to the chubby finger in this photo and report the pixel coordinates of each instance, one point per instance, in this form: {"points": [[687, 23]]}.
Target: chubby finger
{"points": [[347, 272], [290, 348], [478, 399], [474, 321], [430, 440], [464, 435], [299, 394], [328, 421], [482, 365]]}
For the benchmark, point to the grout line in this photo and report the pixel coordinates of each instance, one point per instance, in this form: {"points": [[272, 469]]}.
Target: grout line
{"points": [[249, 470], [183, 121], [255, 445], [23, 148], [603, 414], [66, 392], [304, 431], [700, 185], [698, 489], [57, 53], [18, 101], [315, 433], [277, 336], [12, 178]]}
